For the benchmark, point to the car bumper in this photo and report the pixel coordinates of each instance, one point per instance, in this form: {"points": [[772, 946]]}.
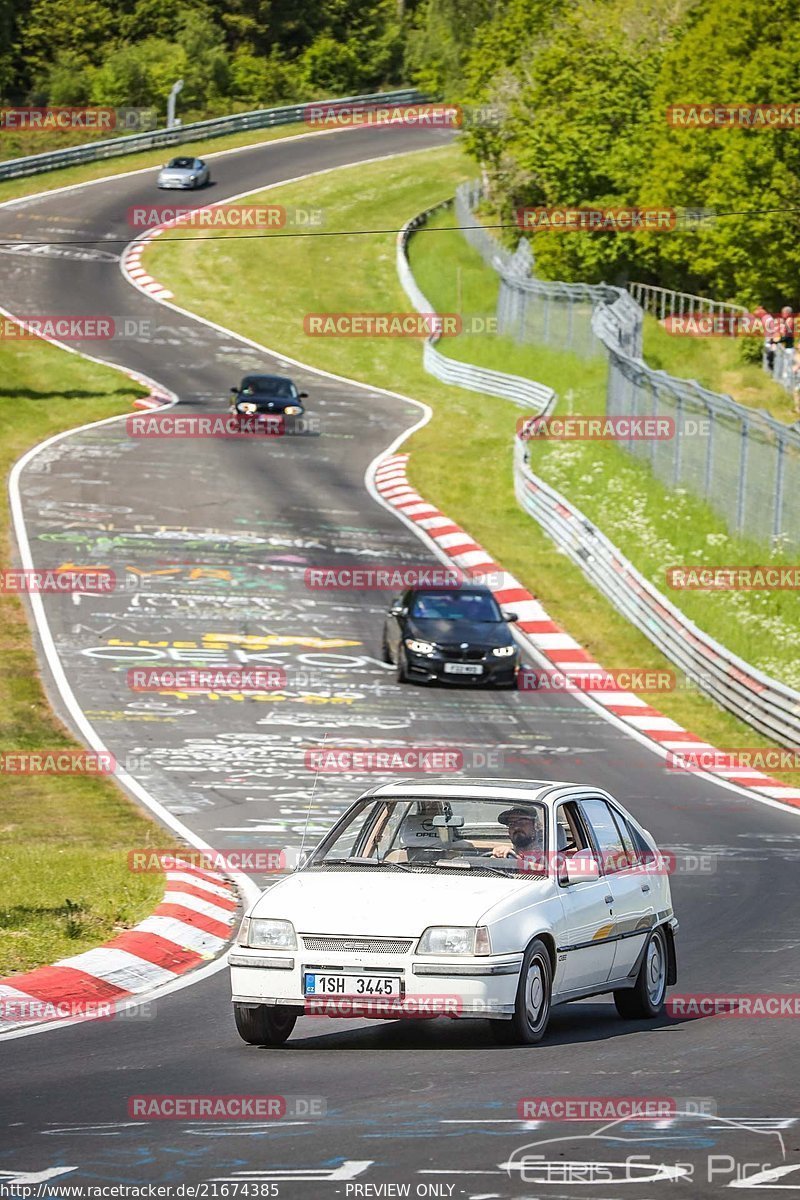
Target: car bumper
{"points": [[495, 671], [472, 987], [174, 185]]}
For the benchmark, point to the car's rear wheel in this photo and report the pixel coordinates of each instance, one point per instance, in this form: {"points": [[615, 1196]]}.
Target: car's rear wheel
{"points": [[534, 998], [645, 1000], [265, 1024]]}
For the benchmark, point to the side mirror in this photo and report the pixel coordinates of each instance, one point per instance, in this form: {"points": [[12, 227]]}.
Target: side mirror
{"points": [[302, 395], [233, 389], [510, 617], [397, 610], [576, 868]]}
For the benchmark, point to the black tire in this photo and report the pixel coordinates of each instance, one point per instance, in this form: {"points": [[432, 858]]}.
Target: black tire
{"points": [[385, 652], [402, 674], [645, 1000], [534, 998], [266, 1025]]}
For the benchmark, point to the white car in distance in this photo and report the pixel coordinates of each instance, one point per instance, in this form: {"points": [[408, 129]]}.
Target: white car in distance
{"points": [[481, 898]]}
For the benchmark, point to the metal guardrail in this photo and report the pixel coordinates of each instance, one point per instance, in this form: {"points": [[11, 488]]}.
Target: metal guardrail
{"points": [[765, 703], [768, 705], [524, 392], [663, 302], [261, 118]]}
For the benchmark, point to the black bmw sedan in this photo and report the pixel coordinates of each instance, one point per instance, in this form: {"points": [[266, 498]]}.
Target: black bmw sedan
{"points": [[451, 635], [266, 396]]}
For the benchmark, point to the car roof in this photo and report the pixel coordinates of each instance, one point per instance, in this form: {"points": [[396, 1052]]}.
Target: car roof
{"points": [[467, 586], [266, 375], [445, 787]]}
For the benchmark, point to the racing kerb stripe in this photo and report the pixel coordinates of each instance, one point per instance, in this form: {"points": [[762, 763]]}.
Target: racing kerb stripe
{"points": [[192, 924], [548, 638]]}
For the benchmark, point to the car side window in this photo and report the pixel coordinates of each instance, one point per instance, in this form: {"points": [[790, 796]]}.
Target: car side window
{"points": [[613, 855], [571, 837]]}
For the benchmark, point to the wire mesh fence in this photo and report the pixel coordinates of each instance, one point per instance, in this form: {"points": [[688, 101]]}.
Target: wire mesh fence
{"points": [[743, 462]]}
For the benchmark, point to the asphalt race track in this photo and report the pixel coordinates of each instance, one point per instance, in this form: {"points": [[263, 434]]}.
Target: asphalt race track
{"points": [[217, 534]]}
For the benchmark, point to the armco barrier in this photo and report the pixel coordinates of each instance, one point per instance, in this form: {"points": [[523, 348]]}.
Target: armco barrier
{"points": [[742, 461], [768, 705], [260, 118], [524, 392]]}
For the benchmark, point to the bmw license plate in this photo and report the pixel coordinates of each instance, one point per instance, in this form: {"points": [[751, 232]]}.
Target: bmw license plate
{"points": [[463, 668], [316, 983]]}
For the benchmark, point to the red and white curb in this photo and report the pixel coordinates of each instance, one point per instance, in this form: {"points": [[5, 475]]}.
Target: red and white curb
{"points": [[192, 925], [549, 639], [132, 266], [152, 401]]}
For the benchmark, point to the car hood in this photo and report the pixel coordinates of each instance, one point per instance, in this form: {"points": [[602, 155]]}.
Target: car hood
{"points": [[380, 902], [477, 633]]}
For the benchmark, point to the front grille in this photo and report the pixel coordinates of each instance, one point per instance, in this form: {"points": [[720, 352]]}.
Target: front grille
{"points": [[371, 945], [453, 652]]}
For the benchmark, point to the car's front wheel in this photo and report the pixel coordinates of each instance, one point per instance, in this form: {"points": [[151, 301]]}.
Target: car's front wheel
{"points": [[386, 653], [533, 1002], [402, 668], [645, 1000], [265, 1024]]}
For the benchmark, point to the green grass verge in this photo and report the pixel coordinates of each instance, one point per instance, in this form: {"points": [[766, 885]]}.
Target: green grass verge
{"points": [[65, 882], [717, 364], [462, 459], [11, 189]]}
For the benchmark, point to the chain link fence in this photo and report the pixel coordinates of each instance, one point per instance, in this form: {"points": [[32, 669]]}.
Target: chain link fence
{"points": [[744, 463]]}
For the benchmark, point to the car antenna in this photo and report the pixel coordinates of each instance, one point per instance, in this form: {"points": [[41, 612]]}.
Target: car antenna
{"points": [[310, 805]]}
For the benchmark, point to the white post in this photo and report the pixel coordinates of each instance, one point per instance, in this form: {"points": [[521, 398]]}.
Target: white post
{"points": [[176, 87]]}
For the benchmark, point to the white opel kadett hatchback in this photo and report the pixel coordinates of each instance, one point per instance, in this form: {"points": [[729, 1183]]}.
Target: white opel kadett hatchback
{"points": [[485, 898]]}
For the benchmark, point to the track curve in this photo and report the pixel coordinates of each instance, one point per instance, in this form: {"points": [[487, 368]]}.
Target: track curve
{"points": [[219, 532]]}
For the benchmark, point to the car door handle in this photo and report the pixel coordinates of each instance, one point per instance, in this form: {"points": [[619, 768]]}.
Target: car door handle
{"points": [[645, 887], [608, 899]]}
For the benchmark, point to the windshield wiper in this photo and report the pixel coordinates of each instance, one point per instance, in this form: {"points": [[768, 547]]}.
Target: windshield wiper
{"points": [[363, 862], [468, 864]]}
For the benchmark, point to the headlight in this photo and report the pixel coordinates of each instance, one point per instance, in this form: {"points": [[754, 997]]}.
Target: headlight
{"points": [[503, 651], [420, 647], [266, 933], [293, 410], [455, 939], [246, 408]]}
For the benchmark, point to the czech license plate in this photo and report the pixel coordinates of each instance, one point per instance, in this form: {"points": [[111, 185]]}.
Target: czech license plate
{"points": [[463, 668], [316, 983]]}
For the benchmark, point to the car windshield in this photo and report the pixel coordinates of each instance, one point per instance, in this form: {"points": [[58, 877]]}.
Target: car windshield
{"points": [[181, 163], [489, 836], [268, 385], [455, 605]]}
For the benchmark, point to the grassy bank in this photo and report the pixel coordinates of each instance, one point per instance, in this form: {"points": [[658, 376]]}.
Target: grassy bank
{"points": [[230, 282], [63, 839], [717, 364]]}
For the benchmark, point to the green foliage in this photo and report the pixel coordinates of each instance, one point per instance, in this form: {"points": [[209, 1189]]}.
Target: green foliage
{"points": [[240, 53], [582, 89]]}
